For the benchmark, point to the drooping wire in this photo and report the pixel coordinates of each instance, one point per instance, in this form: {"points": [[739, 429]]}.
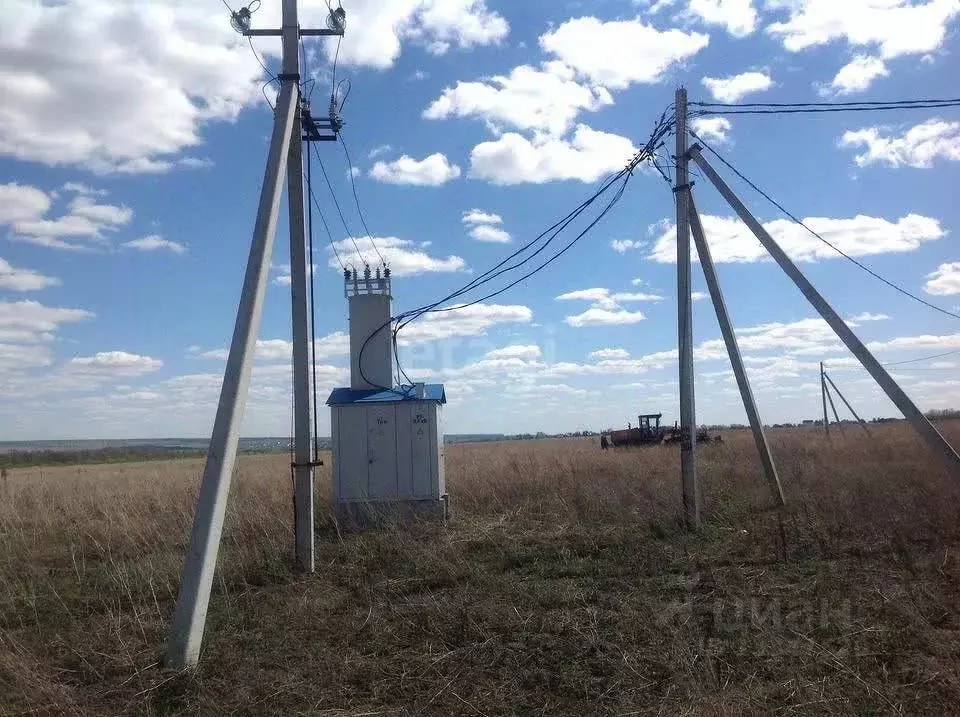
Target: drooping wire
{"points": [[924, 358], [356, 199], [337, 205], [837, 249], [326, 227], [663, 128]]}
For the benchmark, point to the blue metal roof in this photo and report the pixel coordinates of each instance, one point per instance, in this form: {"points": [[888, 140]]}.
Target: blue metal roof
{"points": [[346, 396]]}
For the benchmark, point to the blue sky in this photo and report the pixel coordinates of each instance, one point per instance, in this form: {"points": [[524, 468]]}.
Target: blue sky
{"points": [[133, 138]]}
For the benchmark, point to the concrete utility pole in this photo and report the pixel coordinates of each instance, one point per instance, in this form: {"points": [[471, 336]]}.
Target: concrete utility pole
{"points": [[836, 416], [823, 397], [733, 350], [863, 424], [688, 420], [285, 155], [927, 431]]}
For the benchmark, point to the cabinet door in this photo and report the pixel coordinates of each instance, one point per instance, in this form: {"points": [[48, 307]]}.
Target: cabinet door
{"points": [[382, 451], [352, 469], [421, 449]]}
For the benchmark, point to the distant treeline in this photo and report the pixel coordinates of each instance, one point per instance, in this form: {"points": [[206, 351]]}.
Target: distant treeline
{"points": [[22, 459]]}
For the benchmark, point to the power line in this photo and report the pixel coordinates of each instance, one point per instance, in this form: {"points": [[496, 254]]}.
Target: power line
{"points": [[839, 251], [923, 358], [762, 108], [326, 227], [356, 199], [337, 205]]}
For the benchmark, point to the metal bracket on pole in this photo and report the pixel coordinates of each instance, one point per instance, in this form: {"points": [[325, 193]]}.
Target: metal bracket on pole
{"points": [[863, 424], [688, 421], [927, 431], [730, 339], [196, 580]]}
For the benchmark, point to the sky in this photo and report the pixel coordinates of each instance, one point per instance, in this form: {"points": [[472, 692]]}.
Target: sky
{"points": [[133, 137]]}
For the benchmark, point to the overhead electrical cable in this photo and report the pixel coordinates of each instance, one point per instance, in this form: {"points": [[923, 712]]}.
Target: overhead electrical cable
{"points": [[837, 249], [356, 199], [763, 108], [662, 129], [924, 358], [336, 203]]}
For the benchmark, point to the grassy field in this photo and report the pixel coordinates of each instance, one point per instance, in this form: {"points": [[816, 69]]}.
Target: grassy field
{"points": [[563, 584]]}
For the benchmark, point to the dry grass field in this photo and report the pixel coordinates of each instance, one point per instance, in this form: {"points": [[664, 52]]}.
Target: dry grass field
{"points": [[563, 584]]}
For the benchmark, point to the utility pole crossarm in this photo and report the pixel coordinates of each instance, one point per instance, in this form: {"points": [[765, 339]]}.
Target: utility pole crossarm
{"points": [[926, 430]]}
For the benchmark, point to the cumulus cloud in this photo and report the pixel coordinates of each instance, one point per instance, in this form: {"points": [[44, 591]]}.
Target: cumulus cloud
{"points": [[918, 147], [113, 363], [715, 130], [377, 28], [604, 317], [155, 242], [26, 210], [857, 75], [622, 246], [405, 257], [895, 27], [735, 87], [487, 233], [467, 321], [544, 99], [329, 346], [16, 279], [867, 316], [521, 351], [586, 156], [604, 298], [945, 281], [731, 241], [478, 216], [432, 171], [34, 324], [602, 354], [739, 17], [634, 52]]}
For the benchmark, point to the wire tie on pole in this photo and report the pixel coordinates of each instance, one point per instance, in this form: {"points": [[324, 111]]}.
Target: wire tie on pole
{"points": [[683, 187]]}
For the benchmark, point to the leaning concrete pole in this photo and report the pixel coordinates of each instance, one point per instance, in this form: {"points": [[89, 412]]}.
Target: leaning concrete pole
{"points": [[733, 350], [833, 407], [196, 580], [927, 431], [688, 420]]}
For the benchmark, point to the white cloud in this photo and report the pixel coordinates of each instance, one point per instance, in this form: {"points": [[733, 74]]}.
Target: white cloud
{"points": [[113, 363], [712, 129], [925, 342], [487, 233], [81, 188], [945, 281], [467, 321], [376, 28], [731, 241], [155, 242], [735, 87], [478, 216], [857, 75], [514, 159], [699, 295], [603, 298], [895, 27], [31, 322], [20, 202], [622, 246], [136, 79], [918, 147], [547, 99], [404, 256], [16, 279], [431, 171], [604, 317], [329, 346], [527, 352], [633, 52], [738, 16], [26, 209], [867, 316], [603, 354], [378, 150]]}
